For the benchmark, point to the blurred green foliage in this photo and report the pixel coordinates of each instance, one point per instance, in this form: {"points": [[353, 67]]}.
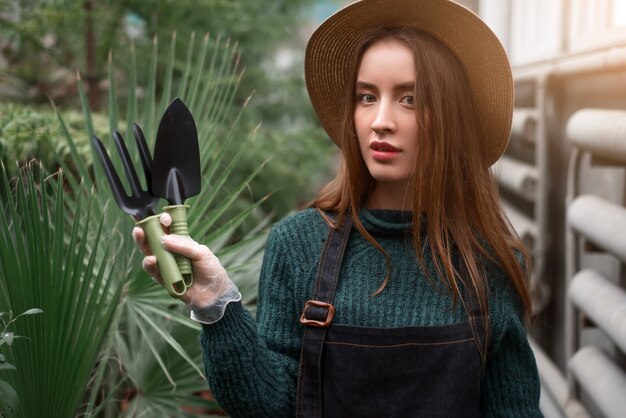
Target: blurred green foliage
{"points": [[45, 43], [111, 342], [137, 364], [28, 133]]}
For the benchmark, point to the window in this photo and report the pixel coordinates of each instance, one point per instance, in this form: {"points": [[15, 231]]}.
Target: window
{"points": [[536, 30], [596, 24]]}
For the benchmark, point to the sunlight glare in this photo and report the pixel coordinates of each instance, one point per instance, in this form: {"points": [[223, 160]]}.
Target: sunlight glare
{"points": [[619, 15]]}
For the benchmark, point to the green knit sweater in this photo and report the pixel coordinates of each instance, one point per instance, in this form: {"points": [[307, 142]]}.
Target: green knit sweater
{"points": [[252, 366]]}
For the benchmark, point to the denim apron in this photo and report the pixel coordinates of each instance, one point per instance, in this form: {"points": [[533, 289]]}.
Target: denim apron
{"points": [[350, 371]]}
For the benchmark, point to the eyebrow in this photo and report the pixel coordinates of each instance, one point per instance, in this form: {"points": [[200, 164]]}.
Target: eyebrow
{"points": [[369, 86]]}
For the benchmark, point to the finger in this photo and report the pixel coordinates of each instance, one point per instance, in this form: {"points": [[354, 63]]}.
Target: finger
{"points": [[140, 238], [149, 265], [165, 219], [187, 247]]}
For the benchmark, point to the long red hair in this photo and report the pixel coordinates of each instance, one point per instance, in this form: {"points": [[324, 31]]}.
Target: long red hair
{"points": [[452, 185]]}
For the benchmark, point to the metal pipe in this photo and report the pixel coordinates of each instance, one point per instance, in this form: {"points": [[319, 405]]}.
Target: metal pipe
{"points": [[524, 124], [554, 385], [602, 379], [611, 59], [541, 160], [601, 222], [525, 227], [548, 406], [600, 131], [572, 265], [551, 377], [603, 302], [516, 176]]}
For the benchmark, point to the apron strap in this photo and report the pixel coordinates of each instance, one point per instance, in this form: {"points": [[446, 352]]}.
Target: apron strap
{"points": [[317, 315]]}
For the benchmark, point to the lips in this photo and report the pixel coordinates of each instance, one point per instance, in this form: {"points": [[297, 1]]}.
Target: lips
{"points": [[383, 152], [383, 147]]}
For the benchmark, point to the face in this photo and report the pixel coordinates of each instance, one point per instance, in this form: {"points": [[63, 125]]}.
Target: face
{"points": [[384, 115]]}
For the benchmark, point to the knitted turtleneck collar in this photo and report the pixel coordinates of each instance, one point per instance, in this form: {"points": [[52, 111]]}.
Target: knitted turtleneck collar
{"points": [[386, 222]]}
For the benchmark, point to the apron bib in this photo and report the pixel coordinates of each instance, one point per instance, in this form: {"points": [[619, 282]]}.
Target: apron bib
{"points": [[404, 372]]}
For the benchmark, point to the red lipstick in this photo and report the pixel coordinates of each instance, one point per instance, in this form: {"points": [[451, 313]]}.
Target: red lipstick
{"points": [[383, 151]]}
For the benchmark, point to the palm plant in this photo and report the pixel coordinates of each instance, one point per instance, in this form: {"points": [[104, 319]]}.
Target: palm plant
{"points": [[64, 274], [8, 397], [110, 341]]}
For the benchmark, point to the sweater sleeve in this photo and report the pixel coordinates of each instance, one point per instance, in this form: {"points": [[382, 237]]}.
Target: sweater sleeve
{"points": [[511, 384], [251, 366]]}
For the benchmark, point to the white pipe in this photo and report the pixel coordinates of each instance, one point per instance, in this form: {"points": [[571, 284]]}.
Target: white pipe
{"points": [[524, 226], [572, 265], [554, 385], [517, 176], [524, 124], [600, 131], [548, 406], [601, 222], [603, 302], [602, 379], [591, 62], [542, 98]]}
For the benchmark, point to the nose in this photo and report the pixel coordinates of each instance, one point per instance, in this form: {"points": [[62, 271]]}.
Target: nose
{"points": [[384, 121]]}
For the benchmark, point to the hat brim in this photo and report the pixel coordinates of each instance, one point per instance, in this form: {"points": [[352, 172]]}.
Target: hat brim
{"points": [[330, 54]]}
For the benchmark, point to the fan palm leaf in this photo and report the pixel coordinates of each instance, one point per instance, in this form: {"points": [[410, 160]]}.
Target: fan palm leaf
{"points": [[62, 273], [110, 340]]}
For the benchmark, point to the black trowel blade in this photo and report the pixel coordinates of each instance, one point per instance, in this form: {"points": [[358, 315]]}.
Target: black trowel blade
{"points": [[176, 160]]}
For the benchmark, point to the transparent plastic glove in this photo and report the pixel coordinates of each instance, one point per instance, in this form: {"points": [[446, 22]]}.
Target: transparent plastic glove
{"points": [[212, 289]]}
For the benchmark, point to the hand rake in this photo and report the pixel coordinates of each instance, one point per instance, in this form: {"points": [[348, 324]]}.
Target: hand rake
{"points": [[141, 203]]}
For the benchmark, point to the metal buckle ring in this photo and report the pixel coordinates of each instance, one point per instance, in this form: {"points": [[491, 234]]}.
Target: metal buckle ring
{"points": [[319, 324]]}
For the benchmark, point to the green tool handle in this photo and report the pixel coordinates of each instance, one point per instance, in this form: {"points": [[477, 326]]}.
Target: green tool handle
{"points": [[172, 279], [179, 227]]}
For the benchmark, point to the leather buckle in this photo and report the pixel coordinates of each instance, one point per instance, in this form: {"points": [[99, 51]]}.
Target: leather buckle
{"points": [[315, 323]]}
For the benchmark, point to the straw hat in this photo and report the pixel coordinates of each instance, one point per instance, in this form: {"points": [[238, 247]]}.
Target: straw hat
{"points": [[330, 51]]}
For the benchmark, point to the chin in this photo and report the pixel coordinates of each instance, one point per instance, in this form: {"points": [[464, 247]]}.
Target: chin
{"points": [[390, 179]]}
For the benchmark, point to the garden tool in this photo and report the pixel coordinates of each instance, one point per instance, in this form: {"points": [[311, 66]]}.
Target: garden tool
{"points": [[140, 204], [176, 170]]}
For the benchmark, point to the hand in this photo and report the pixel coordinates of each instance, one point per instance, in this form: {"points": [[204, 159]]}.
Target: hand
{"points": [[211, 283]]}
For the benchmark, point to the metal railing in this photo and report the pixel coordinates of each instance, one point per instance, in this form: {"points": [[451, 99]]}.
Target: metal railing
{"points": [[545, 84], [527, 179], [594, 300]]}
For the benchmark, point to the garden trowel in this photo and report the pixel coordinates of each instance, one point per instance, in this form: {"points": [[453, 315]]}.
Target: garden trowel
{"points": [[140, 204], [176, 170]]}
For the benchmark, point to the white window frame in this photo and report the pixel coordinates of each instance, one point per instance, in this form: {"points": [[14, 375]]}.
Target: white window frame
{"points": [[536, 30], [592, 24]]}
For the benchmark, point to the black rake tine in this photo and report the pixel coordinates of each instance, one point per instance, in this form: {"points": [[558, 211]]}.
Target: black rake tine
{"points": [[127, 162], [109, 170], [144, 155]]}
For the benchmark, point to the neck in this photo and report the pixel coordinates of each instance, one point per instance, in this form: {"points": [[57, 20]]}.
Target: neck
{"points": [[393, 196]]}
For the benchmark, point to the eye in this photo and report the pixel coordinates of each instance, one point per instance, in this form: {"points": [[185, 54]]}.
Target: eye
{"points": [[407, 99], [366, 98]]}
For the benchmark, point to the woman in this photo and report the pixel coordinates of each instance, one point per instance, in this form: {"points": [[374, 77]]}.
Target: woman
{"points": [[402, 291]]}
